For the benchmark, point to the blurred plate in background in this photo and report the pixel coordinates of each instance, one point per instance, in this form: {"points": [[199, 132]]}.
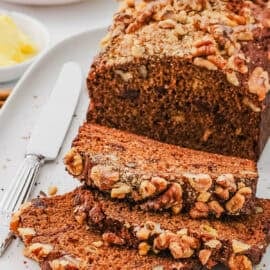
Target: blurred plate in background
{"points": [[43, 2]]}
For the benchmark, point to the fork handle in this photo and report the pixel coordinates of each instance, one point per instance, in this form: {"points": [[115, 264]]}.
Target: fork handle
{"points": [[17, 193]]}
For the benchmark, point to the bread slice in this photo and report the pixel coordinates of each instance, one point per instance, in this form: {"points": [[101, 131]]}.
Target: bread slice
{"points": [[85, 230], [157, 176], [190, 73], [57, 241]]}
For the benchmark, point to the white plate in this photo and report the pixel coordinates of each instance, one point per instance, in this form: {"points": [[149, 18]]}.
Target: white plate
{"points": [[20, 114], [43, 2]]}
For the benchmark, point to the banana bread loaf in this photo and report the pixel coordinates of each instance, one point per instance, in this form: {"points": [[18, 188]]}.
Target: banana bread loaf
{"points": [[190, 73], [157, 176], [73, 231]]}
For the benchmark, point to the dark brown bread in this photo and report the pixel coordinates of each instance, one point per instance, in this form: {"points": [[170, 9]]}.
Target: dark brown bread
{"points": [[75, 229], [190, 73], [157, 176], [54, 239]]}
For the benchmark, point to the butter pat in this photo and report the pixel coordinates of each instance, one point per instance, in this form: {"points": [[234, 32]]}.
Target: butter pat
{"points": [[15, 46]]}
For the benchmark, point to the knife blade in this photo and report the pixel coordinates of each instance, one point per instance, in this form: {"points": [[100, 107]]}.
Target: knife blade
{"points": [[44, 145]]}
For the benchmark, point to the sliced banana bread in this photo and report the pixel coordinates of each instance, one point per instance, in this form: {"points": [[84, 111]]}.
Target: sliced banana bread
{"points": [[157, 176], [85, 230]]}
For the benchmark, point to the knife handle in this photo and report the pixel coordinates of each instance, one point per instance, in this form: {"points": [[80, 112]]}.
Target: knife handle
{"points": [[17, 193]]}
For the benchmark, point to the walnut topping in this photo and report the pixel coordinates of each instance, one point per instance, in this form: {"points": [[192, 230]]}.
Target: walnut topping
{"points": [[204, 197], [112, 238], [144, 248], [203, 48], [170, 198], [74, 162], [226, 183], [239, 247], [104, 177], [126, 76], [159, 182], [167, 24], [180, 246], [120, 191], [240, 262], [79, 214], [26, 234], [200, 182], [65, 262], [236, 203], [258, 83], [213, 243], [208, 232], [200, 210], [201, 62], [147, 189], [204, 256], [38, 251], [143, 71], [143, 234], [232, 78], [217, 60], [251, 105], [216, 208]]}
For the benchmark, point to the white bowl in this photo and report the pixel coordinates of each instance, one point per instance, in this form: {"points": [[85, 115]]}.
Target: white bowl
{"points": [[37, 32]]}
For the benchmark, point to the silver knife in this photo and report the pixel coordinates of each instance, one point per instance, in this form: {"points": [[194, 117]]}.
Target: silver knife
{"points": [[44, 145]]}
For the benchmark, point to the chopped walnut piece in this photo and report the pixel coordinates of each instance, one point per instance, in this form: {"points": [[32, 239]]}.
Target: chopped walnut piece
{"points": [[26, 234], [201, 62], [258, 83], [232, 78], [236, 203], [172, 197], [74, 162], [126, 76], [120, 191], [167, 24], [217, 60], [104, 177], [112, 238], [159, 182], [143, 248], [239, 246], [179, 251], [222, 193], [204, 256], [143, 234], [208, 232], [200, 210], [52, 190], [143, 71], [65, 262], [227, 181], [204, 197], [79, 214], [38, 251], [216, 208], [240, 262], [200, 182], [213, 243], [147, 189]]}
